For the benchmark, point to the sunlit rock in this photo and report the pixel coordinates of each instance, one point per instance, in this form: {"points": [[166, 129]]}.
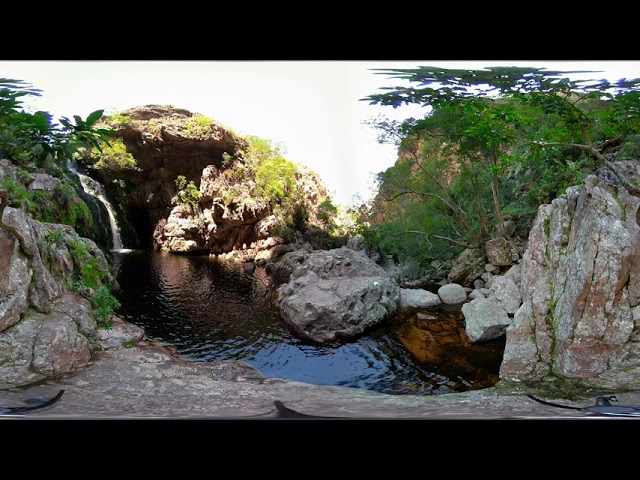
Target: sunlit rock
{"points": [[335, 293], [580, 285]]}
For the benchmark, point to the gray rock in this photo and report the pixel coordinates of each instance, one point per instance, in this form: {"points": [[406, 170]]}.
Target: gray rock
{"points": [[336, 293], [476, 294], [14, 281], [514, 273], [59, 348], [119, 335], [580, 285], [356, 243], [498, 251], [16, 354], [149, 383], [281, 270], [418, 298], [491, 268], [45, 330], [452, 294], [42, 181], [507, 293], [467, 267], [485, 319], [479, 283]]}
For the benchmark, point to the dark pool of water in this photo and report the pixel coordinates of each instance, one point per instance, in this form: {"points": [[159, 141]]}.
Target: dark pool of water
{"points": [[209, 311]]}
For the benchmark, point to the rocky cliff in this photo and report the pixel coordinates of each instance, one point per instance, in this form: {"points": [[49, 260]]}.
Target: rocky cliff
{"points": [[226, 211], [580, 317], [165, 142], [47, 328]]}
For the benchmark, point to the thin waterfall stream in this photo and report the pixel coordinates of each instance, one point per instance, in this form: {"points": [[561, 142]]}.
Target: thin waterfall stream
{"points": [[96, 189]]}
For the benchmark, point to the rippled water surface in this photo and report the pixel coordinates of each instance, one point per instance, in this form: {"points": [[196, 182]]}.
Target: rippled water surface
{"points": [[209, 310]]}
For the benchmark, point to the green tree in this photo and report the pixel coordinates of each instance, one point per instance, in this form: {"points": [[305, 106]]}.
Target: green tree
{"points": [[595, 131], [34, 135], [275, 178], [188, 193], [487, 127]]}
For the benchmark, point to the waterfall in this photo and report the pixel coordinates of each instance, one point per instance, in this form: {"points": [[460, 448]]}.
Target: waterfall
{"points": [[96, 190]]}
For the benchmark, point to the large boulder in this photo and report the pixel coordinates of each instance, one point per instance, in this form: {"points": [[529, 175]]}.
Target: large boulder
{"points": [[46, 329], [335, 293], [452, 294], [507, 293], [580, 285], [485, 319], [500, 252], [468, 266]]}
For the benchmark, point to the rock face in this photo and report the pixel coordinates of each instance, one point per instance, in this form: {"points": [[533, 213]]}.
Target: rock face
{"points": [[467, 267], [45, 329], [335, 293], [580, 285], [229, 214], [166, 142]]}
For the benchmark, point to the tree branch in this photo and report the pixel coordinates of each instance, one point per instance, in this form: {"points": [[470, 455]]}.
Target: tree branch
{"points": [[440, 237]]}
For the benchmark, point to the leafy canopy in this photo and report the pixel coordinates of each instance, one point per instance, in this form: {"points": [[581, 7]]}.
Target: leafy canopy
{"points": [[504, 137], [35, 134], [437, 86]]}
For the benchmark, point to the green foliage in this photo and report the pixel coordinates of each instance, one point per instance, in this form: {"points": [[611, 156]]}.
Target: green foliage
{"points": [[91, 282], [91, 273], [34, 135], [181, 182], [104, 303], [105, 325], [260, 173], [631, 148], [113, 156], [54, 237], [61, 205], [286, 233], [11, 92], [33, 141], [78, 250], [327, 211], [494, 145], [199, 125], [119, 120], [18, 194], [275, 178], [188, 193], [439, 86]]}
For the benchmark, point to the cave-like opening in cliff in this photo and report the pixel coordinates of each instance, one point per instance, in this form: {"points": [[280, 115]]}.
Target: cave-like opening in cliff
{"points": [[139, 219]]}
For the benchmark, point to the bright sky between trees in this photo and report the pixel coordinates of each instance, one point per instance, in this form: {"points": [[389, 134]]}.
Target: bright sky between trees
{"points": [[312, 109]]}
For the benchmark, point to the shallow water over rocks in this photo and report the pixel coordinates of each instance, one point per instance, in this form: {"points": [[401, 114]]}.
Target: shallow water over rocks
{"points": [[211, 311]]}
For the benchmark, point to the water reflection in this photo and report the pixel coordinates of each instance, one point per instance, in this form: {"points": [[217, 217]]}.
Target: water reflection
{"points": [[211, 311]]}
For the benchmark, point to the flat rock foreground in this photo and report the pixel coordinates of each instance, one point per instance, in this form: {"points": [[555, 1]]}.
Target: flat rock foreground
{"points": [[148, 382]]}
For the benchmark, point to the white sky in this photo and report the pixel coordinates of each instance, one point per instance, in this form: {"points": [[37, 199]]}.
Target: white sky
{"points": [[311, 108]]}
